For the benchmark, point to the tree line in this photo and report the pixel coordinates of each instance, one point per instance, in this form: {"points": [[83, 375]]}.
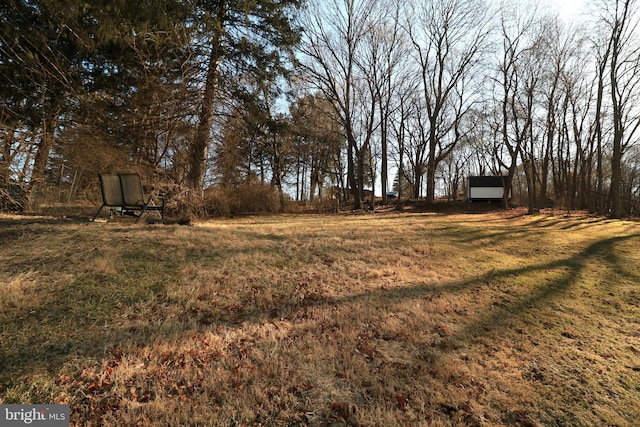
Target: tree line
{"points": [[321, 99]]}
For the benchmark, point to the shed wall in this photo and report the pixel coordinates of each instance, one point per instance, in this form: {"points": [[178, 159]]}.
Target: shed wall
{"points": [[485, 193]]}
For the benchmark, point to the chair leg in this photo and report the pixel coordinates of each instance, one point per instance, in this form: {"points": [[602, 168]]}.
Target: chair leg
{"points": [[144, 208], [96, 215]]}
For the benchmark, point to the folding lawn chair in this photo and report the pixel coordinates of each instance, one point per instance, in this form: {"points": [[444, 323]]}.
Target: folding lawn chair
{"points": [[125, 191]]}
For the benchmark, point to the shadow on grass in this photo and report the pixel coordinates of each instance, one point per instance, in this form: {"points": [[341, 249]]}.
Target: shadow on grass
{"points": [[96, 322], [602, 249], [15, 227]]}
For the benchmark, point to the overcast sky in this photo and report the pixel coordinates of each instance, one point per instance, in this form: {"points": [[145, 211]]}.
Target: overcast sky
{"points": [[569, 9]]}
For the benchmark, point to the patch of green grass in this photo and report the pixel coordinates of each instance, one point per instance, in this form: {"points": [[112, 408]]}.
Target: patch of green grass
{"points": [[413, 319]]}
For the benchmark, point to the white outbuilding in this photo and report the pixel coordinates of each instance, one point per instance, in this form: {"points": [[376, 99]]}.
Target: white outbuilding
{"points": [[486, 188]]}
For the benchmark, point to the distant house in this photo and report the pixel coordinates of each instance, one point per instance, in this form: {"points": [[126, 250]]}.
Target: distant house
{"points": [[485, 188]]}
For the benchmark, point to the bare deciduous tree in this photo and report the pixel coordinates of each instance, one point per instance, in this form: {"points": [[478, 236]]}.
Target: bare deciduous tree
{"points": [[512, 126], [334, 38], [448, 37], [620, 18]]}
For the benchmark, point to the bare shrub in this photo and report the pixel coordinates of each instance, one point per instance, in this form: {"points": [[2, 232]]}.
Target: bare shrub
{"points": [[244, 199], [325, 206], [180, 200], [12, 198], [217, 202]]}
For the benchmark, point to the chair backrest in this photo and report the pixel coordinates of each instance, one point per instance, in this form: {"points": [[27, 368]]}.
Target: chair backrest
{"points": [[111, 189], [132, 191]]}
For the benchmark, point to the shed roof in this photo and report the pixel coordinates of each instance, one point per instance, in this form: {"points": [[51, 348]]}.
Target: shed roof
{"points": [[487, 181]]}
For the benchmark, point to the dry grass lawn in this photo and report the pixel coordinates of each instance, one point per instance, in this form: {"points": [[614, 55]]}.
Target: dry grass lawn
{"points": [[372, 320]]}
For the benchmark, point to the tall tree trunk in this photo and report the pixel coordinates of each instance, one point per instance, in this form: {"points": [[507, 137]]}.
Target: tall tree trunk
{"points": [[507, 184], [6, 158], [617, 210], [200, 146], [354, 185], [417, 180], [431, 160], [531, 186], [431, 180], [383, 172], [400, 137], [41, 157], [551, 128], [360, 179]]}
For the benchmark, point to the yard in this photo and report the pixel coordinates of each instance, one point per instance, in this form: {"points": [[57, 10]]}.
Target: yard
{"points": [[366, 320]]}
